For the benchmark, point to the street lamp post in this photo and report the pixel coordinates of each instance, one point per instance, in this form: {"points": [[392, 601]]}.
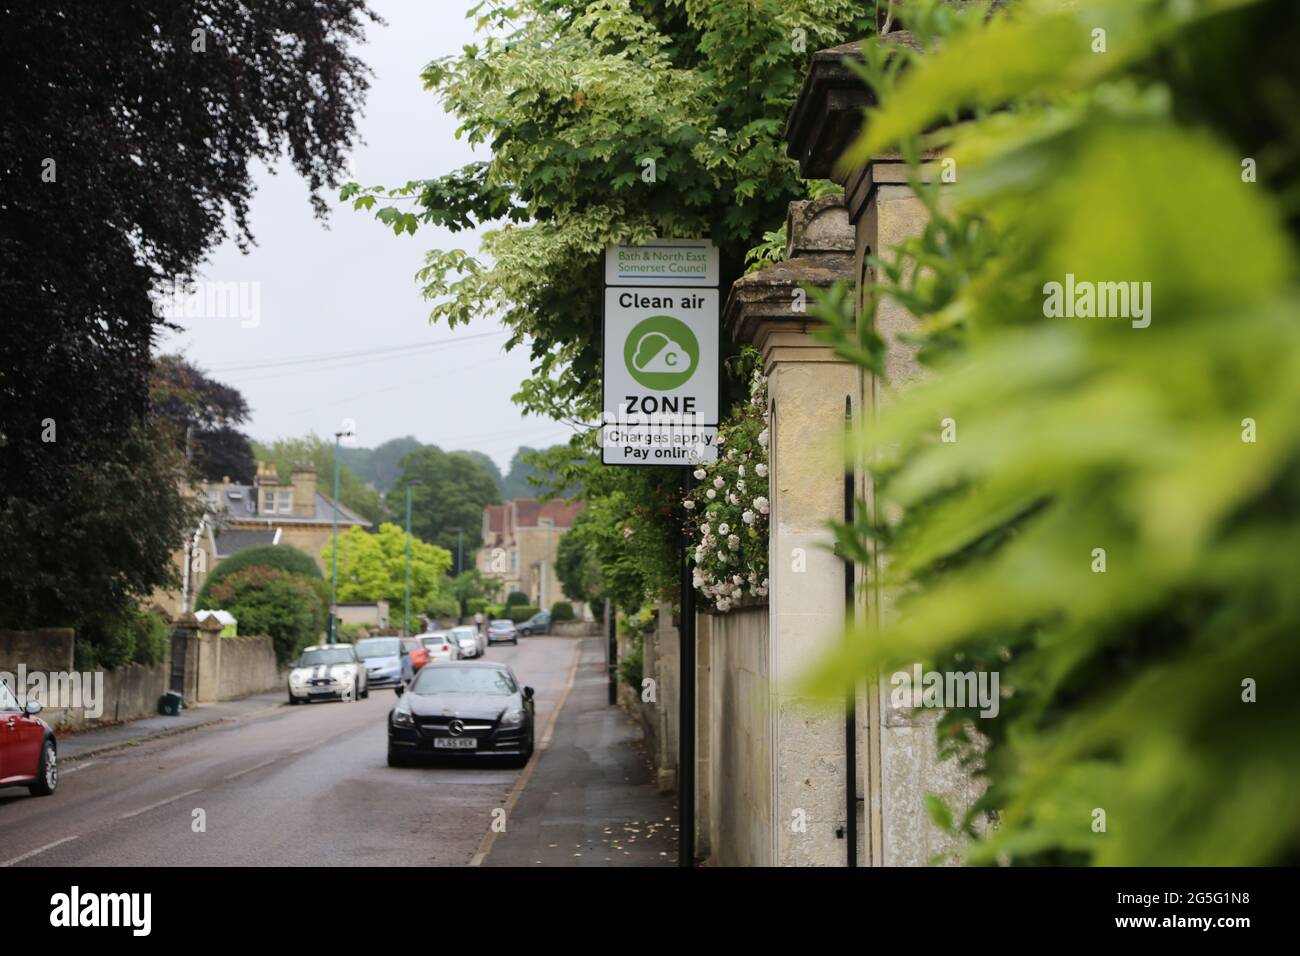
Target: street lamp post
{"points": [[334, 540], [406, 616]]}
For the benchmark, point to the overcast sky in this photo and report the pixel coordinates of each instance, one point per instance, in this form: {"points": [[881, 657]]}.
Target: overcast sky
{"points": [[350, 288]]}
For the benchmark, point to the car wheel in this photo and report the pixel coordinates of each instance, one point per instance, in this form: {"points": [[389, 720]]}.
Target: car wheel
{"points": [[396, 760], [366, 693], [293, 701], [47, 771]]}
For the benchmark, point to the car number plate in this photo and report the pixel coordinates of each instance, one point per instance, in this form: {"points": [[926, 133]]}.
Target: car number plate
{"points": [[455, 743]]}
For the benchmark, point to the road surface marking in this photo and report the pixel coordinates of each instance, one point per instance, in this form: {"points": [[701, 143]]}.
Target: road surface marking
{"points": [[264, 763], [160, 803], [489, 838], [64, 771], [40, 849]]}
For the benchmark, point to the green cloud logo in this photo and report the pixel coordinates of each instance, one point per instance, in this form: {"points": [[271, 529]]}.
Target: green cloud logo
{"points": [[661, 353]]}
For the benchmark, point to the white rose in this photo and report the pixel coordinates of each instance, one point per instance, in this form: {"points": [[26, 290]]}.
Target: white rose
{"points": [[741, 471], [711, 494], [762, 438], [705, 529], [761, 504], [688, 504], [733, 541], [724, 529], [761, 470], [699, 474], [718, 482], [747, 517]]}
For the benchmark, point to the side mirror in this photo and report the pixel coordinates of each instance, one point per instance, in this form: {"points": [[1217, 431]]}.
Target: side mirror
{"points": [[399, 690], [33, 708], [528, 692]]}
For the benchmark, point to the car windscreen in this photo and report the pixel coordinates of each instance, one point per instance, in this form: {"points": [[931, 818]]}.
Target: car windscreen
{"points": [[438, 679], [333, 655], [503, 623], [434, 639], [379, 647]]}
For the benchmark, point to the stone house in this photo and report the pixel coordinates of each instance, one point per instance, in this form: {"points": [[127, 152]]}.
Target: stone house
{"points": [[520, 540], [267, 512]]}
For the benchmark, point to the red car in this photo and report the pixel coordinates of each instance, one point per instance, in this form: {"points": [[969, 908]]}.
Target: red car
{"points": [[28, 751], [418, 652]]}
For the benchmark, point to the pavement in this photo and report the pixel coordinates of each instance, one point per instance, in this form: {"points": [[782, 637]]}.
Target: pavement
{"points": [[88, 743], [591, 799]]}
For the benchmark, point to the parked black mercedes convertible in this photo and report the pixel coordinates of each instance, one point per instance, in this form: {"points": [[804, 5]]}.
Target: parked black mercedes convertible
{"points": [[462, 709]]}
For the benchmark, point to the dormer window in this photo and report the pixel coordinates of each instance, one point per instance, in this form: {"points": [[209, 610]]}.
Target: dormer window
{"points": [[268, 502], [286, 502]]}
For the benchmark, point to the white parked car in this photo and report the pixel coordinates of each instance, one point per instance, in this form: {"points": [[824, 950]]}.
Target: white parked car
{"points": [[327, 672], [441, 646], [473, 642]]}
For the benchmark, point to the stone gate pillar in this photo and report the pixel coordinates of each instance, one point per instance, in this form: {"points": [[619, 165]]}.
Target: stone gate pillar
{"points": [[897, 757], [808, 391]]}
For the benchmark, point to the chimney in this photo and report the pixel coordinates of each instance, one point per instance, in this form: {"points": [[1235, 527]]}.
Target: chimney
{"points": [[304, 491]]}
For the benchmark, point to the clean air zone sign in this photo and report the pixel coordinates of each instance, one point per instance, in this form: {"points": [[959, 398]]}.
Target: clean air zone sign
{"points": [[660, 376]]}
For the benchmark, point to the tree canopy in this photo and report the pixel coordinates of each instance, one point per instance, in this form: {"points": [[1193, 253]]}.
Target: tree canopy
{"points": [[372, 567], [452, 492], [127, 132]]}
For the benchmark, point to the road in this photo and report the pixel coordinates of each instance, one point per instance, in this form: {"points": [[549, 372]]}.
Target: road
{"points": [[297, 786]]}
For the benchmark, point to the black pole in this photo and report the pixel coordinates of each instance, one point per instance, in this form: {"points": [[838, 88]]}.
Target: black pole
{"points": [[686, 701], [850, 708], [611, 649]]}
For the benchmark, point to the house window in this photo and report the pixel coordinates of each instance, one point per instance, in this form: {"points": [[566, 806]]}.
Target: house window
{"points": [[286, 502], [268, 502]]}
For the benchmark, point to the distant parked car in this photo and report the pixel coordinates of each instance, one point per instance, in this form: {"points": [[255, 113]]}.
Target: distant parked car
{"points": [[502, 632], [469, 708], [469, 636], [539, 623], [28, 751], [413, 648], [383, 659], [440, 646], [327, 671]]}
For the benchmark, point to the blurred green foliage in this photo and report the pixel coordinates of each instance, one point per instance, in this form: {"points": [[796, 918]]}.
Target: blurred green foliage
{"points": [[1175, 448]]}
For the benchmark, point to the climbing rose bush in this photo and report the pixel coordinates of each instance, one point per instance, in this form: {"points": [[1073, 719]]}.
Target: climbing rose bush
{"points": [[728, 507]]}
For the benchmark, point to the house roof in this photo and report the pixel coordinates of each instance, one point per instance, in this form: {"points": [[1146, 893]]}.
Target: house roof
{"points": [[228, 541], [240, 505], [530, 513]]}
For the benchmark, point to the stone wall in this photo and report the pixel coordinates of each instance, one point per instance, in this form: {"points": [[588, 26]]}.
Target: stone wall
{"points": [[130, 692], [660, 716], [248, 666], [734, 805], [47, 649]]}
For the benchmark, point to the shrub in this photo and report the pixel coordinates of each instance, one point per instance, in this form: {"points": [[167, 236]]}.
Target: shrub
{"points": [[282, 557], [516, 597], [562, 611], [521, 612], [151, 634], [631, 664], [476, 606], [268, 601], [444, 607]]}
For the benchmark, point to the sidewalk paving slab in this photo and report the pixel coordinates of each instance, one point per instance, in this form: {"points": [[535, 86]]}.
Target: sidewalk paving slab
{"points": [[85, 743], [592, 800]]}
